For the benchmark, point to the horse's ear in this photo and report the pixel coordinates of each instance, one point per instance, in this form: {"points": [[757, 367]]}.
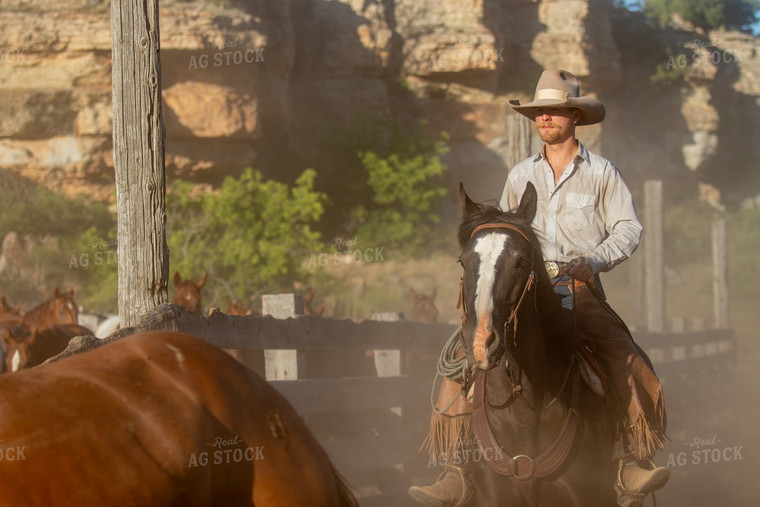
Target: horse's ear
{"points": [[57, 292], [527, 207], [467, 205], [202, 281], [177, 279], [71, 290], [310, 296]]}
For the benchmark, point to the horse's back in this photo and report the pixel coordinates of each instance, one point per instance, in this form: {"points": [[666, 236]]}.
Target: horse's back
{"points": [[156, 419]]}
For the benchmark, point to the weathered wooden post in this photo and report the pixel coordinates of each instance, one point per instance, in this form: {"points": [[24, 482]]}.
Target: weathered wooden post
{"points": [[520, 133], [720, 270], [388, 362], [654, 253], [283, 364], [138, 153]]}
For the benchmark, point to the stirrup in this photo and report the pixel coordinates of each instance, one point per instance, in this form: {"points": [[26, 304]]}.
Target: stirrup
{"points": [[630, 498]]}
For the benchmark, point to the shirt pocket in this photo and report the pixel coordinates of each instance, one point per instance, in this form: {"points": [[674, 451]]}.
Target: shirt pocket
{"points": [[580, 210]]}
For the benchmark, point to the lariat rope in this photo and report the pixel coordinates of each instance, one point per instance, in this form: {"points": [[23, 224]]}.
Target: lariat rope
{"points": [[449, 366]]}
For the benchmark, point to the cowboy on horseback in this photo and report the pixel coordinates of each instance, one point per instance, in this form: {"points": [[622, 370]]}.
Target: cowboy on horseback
{"points": [[586, 223]]}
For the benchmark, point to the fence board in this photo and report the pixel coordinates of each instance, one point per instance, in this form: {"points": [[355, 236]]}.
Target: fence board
{"points": [[350, 394], [360, 454]]}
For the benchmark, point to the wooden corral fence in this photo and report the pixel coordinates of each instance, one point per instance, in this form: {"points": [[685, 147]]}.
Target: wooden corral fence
{"points": [[372, 425]]}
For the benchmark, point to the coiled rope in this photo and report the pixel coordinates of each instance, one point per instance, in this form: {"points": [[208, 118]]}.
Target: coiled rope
{"points": [[449, 366]]}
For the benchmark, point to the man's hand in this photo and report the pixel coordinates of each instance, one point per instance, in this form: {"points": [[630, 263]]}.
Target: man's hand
{"points": [[579, 268]]}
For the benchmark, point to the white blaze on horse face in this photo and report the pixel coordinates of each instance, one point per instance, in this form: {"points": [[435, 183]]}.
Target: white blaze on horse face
{"points": [[15, 361], [488, 248]]}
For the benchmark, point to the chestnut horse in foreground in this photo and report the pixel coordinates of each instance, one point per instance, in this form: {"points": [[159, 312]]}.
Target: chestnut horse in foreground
{"points": [[157, 419]]}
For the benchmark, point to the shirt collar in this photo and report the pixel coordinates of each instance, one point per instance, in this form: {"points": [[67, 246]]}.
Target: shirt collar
{"points": [[582, 153]]}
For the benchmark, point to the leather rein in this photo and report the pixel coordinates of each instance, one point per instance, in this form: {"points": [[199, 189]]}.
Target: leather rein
{"points": [[523, 468]]}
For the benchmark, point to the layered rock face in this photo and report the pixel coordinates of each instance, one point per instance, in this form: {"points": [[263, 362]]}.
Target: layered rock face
{"points": [[249, 81]]}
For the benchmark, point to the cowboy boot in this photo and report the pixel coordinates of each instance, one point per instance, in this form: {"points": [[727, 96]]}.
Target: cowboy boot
{"points": [[634, 483], [451, 489]]}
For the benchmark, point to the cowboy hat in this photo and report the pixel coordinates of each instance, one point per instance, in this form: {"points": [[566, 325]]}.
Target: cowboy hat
{"points": [[560, 88]]}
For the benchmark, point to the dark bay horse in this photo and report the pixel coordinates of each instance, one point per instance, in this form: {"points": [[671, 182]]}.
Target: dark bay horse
{"points": [[157, 419], [188, 292], [60, 309], [26, 350], [544, 438]]}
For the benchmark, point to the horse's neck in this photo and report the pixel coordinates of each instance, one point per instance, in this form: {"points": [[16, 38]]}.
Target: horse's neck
{"points": [[542, 353], [33, 316]]}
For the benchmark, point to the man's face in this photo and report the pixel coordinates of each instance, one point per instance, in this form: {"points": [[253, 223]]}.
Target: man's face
{"points": [[556, 124]]}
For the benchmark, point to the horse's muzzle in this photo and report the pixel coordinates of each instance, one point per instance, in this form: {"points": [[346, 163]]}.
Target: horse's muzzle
{"points": [[486, 344]]}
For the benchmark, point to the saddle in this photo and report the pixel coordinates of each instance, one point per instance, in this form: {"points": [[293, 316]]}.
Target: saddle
{"points": [[590, 369]]}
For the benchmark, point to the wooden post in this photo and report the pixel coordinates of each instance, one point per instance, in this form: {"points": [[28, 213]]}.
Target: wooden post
{"points": [[720, 269], [388, 362], [520, 133], [138, 153], [283, 364], [654, 253]]}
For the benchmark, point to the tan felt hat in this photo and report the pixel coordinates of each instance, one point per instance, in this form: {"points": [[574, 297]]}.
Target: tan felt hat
{"points": [[560, 88]]}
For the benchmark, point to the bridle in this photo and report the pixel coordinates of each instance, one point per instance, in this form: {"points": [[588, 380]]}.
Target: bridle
{"points": [[512, 320]]}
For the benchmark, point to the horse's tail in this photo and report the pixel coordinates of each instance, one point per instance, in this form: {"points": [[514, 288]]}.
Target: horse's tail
{"points": [[345, 497]]}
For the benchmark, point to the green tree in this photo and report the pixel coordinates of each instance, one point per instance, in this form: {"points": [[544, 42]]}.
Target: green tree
{"points": [[707, 14], [251, 236], [407, 185]]}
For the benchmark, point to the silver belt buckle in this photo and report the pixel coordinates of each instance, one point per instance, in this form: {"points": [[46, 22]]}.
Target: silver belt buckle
{"points": [[552, 268]]}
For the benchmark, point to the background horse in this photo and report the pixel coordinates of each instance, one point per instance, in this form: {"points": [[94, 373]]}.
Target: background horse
{"points": [[10, 315], [526, 391], [60, 309], [188, 292], [308, 309], [424, 309], [157, 419], [26, 350]]}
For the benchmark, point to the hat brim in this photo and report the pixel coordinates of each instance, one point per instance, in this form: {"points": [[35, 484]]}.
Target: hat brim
{"points": [[592, 110]]}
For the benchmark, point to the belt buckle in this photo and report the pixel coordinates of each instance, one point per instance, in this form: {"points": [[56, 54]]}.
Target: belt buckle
{"points": [[552, 268]]}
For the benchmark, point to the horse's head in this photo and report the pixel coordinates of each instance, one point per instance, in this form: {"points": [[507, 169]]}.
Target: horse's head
{"points": [[64, 308], [308, 309], [500, 256], [188, 292], [424, 306], [8, 314], [16, 348], [5, 308], [238, 308]]}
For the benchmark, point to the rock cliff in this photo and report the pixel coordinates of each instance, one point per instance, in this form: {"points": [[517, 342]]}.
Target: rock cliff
{"points": [[262, 83]]}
